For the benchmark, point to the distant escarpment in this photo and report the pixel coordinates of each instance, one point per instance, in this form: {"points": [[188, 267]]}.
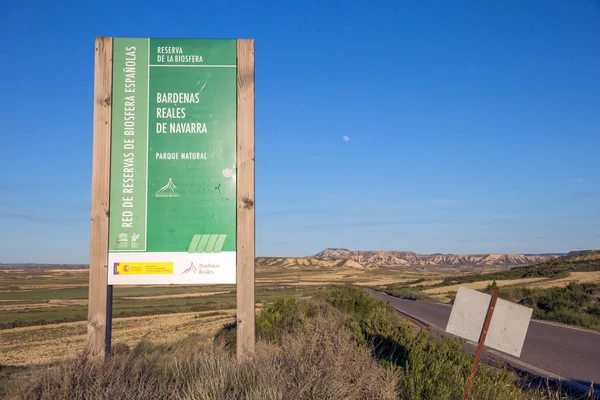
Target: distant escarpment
{"points": [[411, 259], [310, 262]]}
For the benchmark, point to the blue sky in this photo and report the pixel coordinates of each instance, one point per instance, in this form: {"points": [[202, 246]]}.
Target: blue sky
{"points": [[474, 126]]}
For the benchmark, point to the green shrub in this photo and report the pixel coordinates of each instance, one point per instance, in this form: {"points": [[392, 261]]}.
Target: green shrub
{"points": [[594, 309], [286, 315], [491, 288], [428, 366], [568, 317], [576, 304]]}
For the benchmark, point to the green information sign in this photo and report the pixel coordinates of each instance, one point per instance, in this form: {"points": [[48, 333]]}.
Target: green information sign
{"points": [[173, 153]]}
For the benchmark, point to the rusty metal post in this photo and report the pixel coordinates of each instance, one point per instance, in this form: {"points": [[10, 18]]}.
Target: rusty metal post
{"points": [[486, 325]]}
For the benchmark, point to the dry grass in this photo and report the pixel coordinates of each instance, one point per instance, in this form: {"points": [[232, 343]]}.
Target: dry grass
{"points": [[301, 283], [532, 283], [49, 304], [306, 350], [23, 307], [323, 363], [69, 271], [382, 281], [480, 285], [50, 343], [175, 296], [318, 277], [581, 277], [427, 283], [49, 286]]}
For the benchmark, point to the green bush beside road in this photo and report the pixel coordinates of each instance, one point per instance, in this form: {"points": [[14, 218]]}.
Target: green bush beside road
{"points": [[576, 304]]}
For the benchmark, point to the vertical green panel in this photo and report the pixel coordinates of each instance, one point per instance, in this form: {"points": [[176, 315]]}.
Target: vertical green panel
{"points": [[202, 244], [211, 243], [219, 243], [192, 142], [129, 145], [194, 244]]}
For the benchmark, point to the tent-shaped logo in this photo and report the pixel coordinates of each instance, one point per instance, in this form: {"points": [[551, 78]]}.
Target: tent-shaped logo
{"points": [[169, 190]]}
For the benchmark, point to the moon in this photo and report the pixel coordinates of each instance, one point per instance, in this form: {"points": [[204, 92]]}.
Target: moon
{"points": [[346, 138]]}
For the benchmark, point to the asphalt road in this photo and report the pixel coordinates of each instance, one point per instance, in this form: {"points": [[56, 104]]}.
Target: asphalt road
{"points": [[570, 353]]}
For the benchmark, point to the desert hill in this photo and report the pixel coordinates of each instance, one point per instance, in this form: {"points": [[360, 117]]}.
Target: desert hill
{"points": [[583, 255], [411, 259], [311, 262], [344, 258]]}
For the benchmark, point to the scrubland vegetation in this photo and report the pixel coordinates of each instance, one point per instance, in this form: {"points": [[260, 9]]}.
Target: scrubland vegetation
{"points": [[575, 304], [564, 290], [314, 340], [558, 268], [341, 344]]}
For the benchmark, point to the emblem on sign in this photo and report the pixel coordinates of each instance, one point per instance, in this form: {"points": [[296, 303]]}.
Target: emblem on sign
{"points": [[169, 190]]}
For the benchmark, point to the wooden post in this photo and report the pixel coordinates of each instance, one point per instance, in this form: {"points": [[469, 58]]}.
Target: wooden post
{"points": [[245, 200], [100, 294], [486, 326]]}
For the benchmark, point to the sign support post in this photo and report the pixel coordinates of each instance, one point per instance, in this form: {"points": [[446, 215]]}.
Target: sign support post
{"points": [[245, 200], [484, 331], [178, 113], [100, 294]]}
